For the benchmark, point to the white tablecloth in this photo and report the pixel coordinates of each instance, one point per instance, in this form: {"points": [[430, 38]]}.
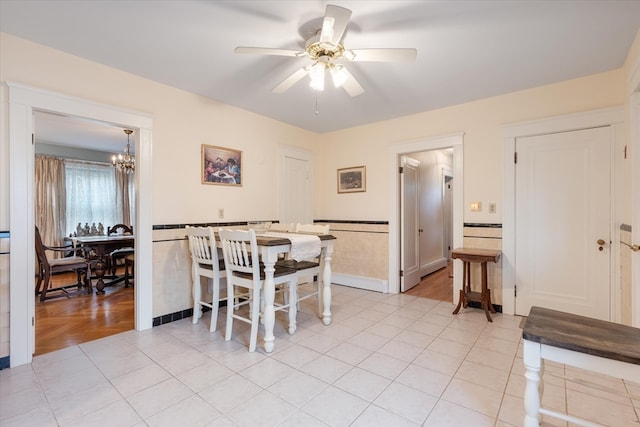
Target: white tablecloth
{"points": [[303, 246]]}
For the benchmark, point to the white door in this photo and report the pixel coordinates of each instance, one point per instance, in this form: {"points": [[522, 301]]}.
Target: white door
{"points": [[563, 227], [297, 191], [410, 252]]}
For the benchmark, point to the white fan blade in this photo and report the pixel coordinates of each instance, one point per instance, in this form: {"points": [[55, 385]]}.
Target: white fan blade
{"points": [[340, 17], [291, 80], [327, 30], [351, 85], [382, 55], [267, 51]]}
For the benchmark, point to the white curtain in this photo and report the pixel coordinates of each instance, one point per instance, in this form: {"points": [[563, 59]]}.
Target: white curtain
{"points": [[91, 195], [50, 199]]}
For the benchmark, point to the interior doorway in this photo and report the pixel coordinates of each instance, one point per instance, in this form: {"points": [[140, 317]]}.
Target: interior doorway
{"points": [[86, 147], [453, 142], [23, 101]]}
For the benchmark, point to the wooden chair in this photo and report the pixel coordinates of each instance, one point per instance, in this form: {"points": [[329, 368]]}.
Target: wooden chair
{"points": [[305, 269], [240, 251], [129, 263], [205, 263], [120, 253], [47, 267]]}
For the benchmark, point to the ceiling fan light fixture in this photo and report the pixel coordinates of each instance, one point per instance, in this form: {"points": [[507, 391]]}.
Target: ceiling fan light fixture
{"points": [[338, 75], [316, 73]]}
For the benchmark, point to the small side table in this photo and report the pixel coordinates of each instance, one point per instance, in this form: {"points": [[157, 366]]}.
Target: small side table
{"points": [[482, 256]]}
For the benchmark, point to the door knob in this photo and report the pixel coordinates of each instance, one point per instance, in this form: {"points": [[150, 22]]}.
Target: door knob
{"points": [[601, 242]]}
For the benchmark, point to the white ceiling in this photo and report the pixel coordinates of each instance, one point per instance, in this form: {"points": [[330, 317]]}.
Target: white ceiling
{"points": [[467, 50]]}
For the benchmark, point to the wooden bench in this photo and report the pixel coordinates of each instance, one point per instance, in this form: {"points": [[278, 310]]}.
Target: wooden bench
{"points": [[596, 345]]}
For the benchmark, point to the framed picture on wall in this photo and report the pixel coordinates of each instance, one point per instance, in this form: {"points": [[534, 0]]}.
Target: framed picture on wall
{"points": [[352, 180], [221, 166]]}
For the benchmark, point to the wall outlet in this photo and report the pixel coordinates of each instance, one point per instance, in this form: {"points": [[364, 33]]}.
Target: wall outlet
{"points": [[220, 213], [492, 208]]}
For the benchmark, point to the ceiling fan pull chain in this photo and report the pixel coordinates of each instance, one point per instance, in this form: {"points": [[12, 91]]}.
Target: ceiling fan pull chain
{"points": [[316, 103]]}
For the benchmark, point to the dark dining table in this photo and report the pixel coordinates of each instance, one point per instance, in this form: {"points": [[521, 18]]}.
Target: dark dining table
{"points": [[100, 246]]}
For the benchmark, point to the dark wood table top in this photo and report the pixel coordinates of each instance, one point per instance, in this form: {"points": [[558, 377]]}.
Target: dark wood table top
{"points": [[476, 255], [87, 240], [277, 241], [583, 334]]}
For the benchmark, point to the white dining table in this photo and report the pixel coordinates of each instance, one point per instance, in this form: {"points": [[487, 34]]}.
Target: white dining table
{"points": [[270, 248]]}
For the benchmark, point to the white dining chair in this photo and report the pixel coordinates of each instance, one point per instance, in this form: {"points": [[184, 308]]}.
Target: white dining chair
{"points": [[282, 227], [205, 263], [312, 228], [240, 252], [307, 269]]}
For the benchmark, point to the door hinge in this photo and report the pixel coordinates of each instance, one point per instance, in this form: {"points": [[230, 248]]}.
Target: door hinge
{"points": [[401, 273], [400, 169], [33, 321], [515, 291], [515, 157], [33, 139]]}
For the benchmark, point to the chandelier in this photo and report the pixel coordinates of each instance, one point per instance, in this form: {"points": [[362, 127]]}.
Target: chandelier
{"points": [[126, 162]]}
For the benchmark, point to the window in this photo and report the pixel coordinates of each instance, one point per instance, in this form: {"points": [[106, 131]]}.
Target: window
{"points": [[91, 195]]}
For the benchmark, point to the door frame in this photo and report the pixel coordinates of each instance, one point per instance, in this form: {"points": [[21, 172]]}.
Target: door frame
{"points": [[613, 117], [454, 141], [23, 100], [634, 143]]}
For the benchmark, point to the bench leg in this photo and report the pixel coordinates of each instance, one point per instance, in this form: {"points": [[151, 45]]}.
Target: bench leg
{"points": [[532, 394]]}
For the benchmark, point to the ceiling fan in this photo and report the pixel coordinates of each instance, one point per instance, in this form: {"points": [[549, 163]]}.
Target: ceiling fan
{"points": [[326, 50]]}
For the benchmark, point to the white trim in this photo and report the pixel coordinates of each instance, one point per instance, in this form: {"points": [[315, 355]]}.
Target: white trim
{"points": [[23, 100], [360, 282], [634, 147], [432, 266], [569, 122], [454, 141]]}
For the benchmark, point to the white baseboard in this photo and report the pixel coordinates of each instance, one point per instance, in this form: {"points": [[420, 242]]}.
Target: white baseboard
{"points": [[433, 266], [368, 283]]}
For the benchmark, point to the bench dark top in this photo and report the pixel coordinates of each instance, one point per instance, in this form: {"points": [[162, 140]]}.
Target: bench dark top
{"points": [[583, 334]]}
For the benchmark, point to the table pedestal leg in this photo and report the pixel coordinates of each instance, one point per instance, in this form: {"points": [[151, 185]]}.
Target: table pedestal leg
{"points": [[326, 285], [100, 269], [269, 314]]}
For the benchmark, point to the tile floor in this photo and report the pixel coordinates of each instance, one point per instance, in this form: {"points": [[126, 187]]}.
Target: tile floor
{"points": [[386, 360]]}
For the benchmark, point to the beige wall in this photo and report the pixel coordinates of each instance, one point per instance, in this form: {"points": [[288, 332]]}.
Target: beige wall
{"points": [[481, 123], [183, 121]]}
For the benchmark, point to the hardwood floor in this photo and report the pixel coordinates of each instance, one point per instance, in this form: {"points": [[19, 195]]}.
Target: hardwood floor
{"points": [[66, 321], [437, 285]]}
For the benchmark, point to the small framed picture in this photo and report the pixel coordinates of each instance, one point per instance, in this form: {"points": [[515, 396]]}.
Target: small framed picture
{"points": [[352, 180], [221, 166]]}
